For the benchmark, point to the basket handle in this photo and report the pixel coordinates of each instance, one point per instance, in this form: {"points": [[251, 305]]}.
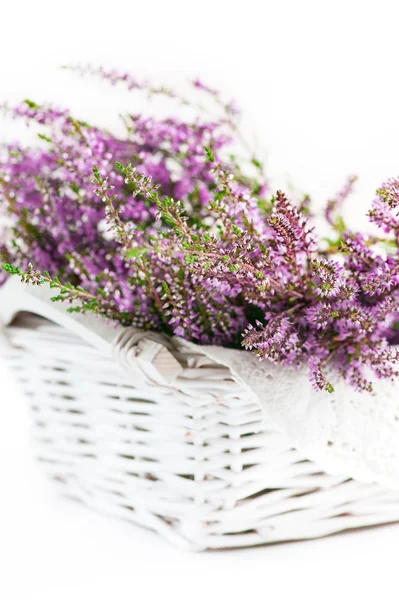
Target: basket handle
{"points": [[146, 355], [16, 297]]}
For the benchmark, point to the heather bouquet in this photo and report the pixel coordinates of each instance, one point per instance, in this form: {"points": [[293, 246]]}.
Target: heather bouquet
{"points": [[168, 228]]}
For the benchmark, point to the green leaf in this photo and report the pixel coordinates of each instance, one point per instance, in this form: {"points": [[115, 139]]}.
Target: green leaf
{"points": [[74, 187], [45, 138], [210, 155], [339, 225], [190, 259], [136, 252], [168, 219], [73, 309], [220, 195], [96, 174], [256, 188], [31, 104], [120, 167], [257, 163], [11, 269]]}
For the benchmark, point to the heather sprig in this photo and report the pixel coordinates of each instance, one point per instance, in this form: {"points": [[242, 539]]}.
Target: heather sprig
{"points": [[334, 206], [78, 298]]}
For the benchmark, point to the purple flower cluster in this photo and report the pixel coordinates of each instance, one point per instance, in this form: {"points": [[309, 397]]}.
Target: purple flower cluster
{"points": [[158, 230]]}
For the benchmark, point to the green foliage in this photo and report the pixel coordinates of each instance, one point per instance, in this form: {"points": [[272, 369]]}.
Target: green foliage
{"points": [[209, 154], [31, 104], [44, 138], [11, 269]]}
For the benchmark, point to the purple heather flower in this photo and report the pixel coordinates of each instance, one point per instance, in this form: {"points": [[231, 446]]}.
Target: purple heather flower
{"points": [[155, 229], [389, 192], [328, 277], [335, 204]]}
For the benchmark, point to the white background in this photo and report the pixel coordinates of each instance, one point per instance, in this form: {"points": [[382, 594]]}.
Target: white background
{"points": [[319, 84]]}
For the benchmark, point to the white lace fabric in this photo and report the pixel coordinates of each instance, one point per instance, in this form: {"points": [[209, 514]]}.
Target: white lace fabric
{"points": [[347, 433]]}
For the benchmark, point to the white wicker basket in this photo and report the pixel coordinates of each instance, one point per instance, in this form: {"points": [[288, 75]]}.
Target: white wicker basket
{"points": [[133, 426]]}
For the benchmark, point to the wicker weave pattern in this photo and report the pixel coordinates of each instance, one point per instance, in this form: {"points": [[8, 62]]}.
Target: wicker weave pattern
{"points": [[192, 459]]}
